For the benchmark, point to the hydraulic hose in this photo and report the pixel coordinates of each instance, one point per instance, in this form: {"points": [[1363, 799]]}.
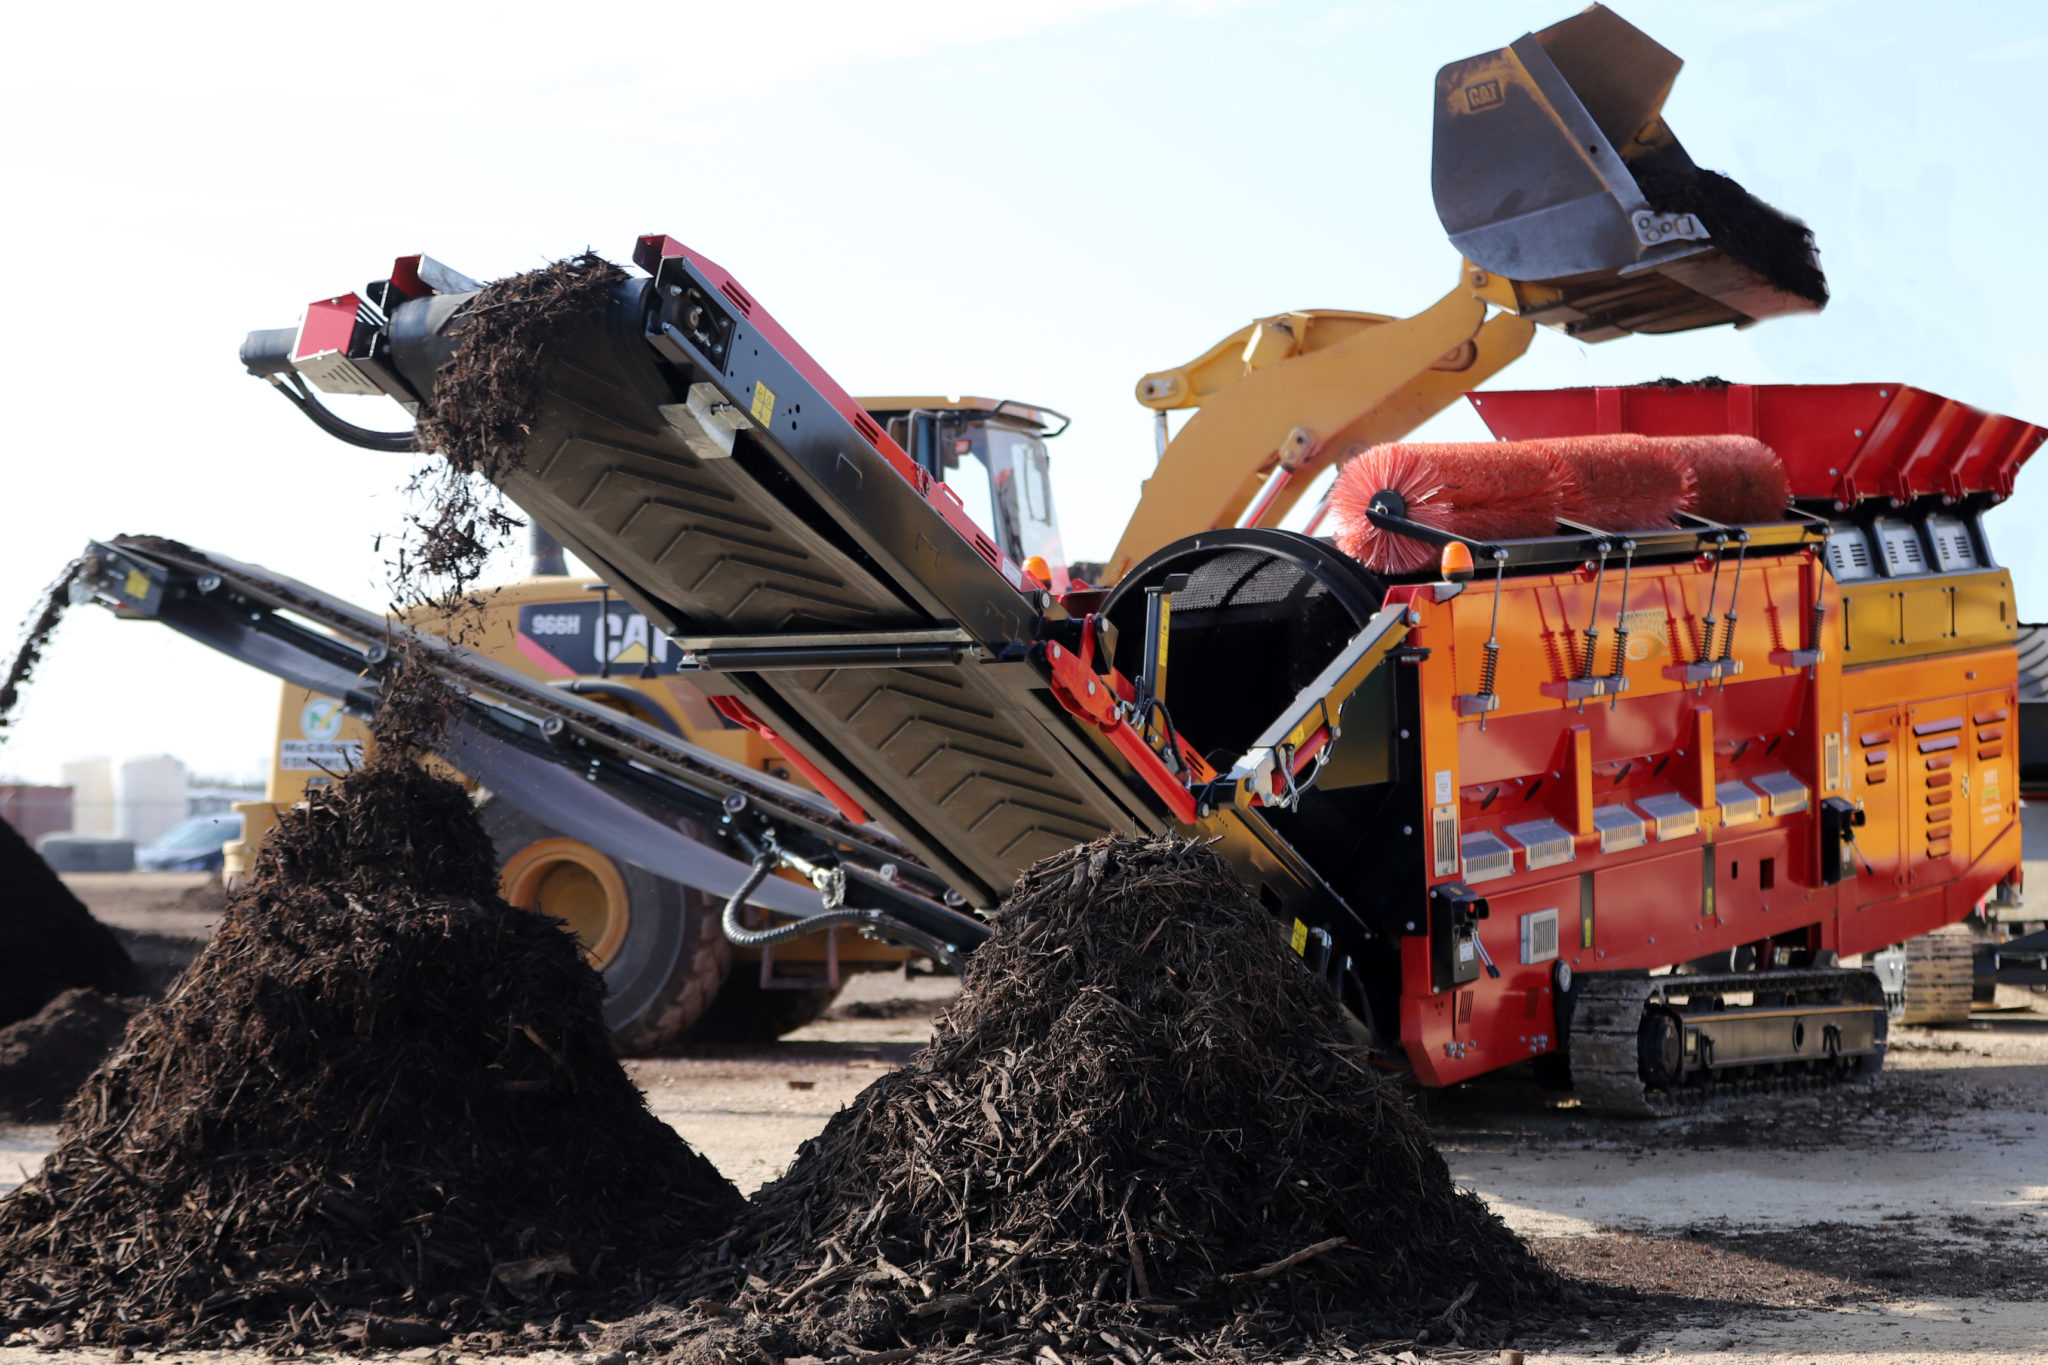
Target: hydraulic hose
{"points": [[765, 860], [390, 442]]}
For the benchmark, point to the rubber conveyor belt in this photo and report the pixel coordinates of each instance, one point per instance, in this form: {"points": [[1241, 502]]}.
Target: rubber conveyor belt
{"points": [[813, 523]]}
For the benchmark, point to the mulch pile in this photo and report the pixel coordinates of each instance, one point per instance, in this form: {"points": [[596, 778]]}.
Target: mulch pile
{"points": [[1141, 1117], [380, 1108], [47, 1056], [49, 942], [1774, 244]]}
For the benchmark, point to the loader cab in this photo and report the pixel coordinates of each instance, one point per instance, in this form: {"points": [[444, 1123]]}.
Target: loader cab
{"points": [[992, 455]]}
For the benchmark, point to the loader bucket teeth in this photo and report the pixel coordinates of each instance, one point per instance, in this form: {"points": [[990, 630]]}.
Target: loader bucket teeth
{"points": [[1553, 167]]}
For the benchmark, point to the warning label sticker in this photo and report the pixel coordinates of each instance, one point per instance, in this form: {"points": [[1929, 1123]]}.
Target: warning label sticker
{"points": [[319, 755], [763, 406]]}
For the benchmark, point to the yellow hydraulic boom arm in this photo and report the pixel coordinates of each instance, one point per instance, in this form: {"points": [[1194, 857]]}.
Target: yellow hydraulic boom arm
{"points": [[1574, 205], [1279, 400]]}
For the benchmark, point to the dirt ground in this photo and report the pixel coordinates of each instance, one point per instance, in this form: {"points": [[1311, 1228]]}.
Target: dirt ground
{"points": [[1901, 1222]]}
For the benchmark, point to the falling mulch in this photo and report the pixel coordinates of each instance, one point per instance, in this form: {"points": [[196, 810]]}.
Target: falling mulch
{"points": [[49, 942], [1142, 1118], [47, 1056], [482, 411], [381, 1108], [49, 612], [1774, 244]]}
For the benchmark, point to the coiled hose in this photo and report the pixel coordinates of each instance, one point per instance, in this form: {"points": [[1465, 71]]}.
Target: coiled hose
{"points": [[740, 936]]}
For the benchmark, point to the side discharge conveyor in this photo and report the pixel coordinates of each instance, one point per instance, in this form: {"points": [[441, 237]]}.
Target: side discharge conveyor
{"points": [[614, 781]]}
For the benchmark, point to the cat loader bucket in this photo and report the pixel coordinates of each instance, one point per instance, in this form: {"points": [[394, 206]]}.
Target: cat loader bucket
{"points": [[1553, 170]]}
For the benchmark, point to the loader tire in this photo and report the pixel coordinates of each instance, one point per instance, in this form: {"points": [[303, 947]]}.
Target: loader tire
{"points": [[744, 1013], [656, 942], [1940, 977]]}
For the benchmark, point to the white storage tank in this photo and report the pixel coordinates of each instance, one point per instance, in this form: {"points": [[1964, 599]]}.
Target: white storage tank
{"points": [[149, 797], [92, 796]]}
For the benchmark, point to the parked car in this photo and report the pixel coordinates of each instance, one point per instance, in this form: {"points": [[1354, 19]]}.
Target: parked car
{"points": [[191, 846]]}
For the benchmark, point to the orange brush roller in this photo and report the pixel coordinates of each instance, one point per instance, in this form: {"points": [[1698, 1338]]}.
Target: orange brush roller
{"points": [[1737, 480], [1623, 482], [1482, 490]]}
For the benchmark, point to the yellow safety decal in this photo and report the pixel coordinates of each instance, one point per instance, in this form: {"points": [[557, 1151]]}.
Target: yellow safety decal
{"points": [[136, 585], [764, 403], [1298, 940]]}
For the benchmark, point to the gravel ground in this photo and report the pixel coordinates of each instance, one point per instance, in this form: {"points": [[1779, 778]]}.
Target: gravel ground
{"points": [[1897, 1223]]}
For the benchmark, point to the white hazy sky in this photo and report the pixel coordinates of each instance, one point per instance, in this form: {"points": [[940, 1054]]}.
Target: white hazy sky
{"points": [[1037, 200]]}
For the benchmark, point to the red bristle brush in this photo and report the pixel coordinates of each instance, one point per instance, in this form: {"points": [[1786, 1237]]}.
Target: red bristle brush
{"points": [[1737, 480], [1623, 482], [1482, 490]]}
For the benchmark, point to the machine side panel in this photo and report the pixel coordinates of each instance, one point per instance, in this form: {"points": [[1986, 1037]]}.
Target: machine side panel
{"points": [[1937, 787], [1991, 808], [1757, 890]]}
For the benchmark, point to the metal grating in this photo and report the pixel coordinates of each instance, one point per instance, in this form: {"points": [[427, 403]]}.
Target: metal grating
{"points": [[1849, 553], [1539, 936], [1739, 805], [1903, 554], [1674, 816], [1444, 841], [1786, 794], [1620, 828], [1953, 548], [1545, 843], [1245, 578], [1485, 856]]}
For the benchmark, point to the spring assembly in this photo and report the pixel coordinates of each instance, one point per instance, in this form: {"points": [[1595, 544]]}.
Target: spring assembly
{"points": [[1734, 594], [1628, 560], [1489, 670], [1713, 596], [1592, 631]]}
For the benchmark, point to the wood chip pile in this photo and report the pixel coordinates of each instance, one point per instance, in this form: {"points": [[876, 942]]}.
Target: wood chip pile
{"points": [[1141, 1116], [381, 1106]]}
